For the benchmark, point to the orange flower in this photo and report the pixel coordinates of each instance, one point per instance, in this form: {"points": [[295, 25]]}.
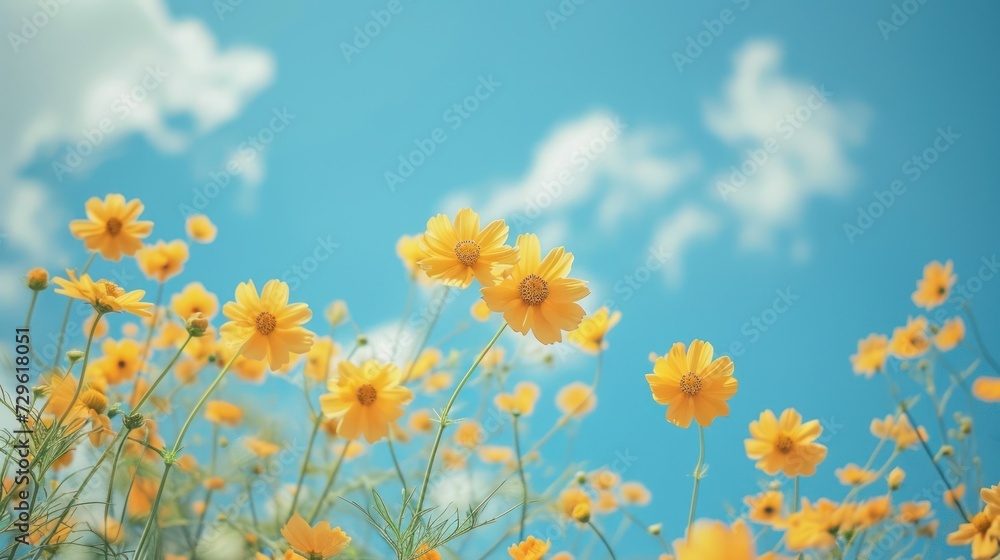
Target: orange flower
{"points": [[853, 475], [932, 289], [538, 296], [529, 549], [987, 389], [716, 541], [692, 385], [785, 444], [320, 541], [111, 226], [766, 508], [221, 412], [267, 326], [162, 261], [590, 335]]}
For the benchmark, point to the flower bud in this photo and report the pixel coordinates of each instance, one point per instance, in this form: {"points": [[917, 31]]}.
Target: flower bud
{"points": [[896, 477], [197, 324], [362, 340], [581, 512], [337, 313], [966, 425], [655, 529], [74, 356], [37, 279], [134, 421], [581, 477], [946, 451]]}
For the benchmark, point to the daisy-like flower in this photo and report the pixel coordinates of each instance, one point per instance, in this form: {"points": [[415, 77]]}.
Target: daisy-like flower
{"points": [[932, 289], [714, 540], [692, 385], [951, 333], [104, 295], [589, 336], [766, 508], [635, 494], [200, 228], [222, 412], [872, 512], [120, 362], [853, 475], [982, 532], [910, 341], [529, 549], [316, 542], [987, 389], [871, 355], [194, 298], [899, 430], [366, 399], [576, 399], [112, 227], [538, 296], [520, 401], [815, 525], [163, 260], [455, 253], [913, 512], [267, 326], [785, 444]]}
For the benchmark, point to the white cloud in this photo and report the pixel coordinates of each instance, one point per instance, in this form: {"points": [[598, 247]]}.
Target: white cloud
{"points": [[806, 129], [87, 76], [595, 158], [676, 233]]}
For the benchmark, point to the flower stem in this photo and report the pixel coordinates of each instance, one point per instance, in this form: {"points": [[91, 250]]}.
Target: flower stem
{"points": [[564, 419], [31, 309], [149, 337], [444, 417], [795, 496], [603, 540], [163, 374], [427, 334], [697, 478], [524, 482], [329, 483], [305, 465], [83, 373]]}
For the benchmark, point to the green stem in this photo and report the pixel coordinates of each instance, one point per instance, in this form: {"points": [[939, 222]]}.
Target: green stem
{"points": [[795, 496], [111, 486], [564, 419], [427, 334], [979, 339], [305, 464], [69, 305], [83, 373], [329, 483], [395, 463], [524, 482], [697, 478], [163, 374], [149, 337], [31, 309], [444, 417], [603, 540]]}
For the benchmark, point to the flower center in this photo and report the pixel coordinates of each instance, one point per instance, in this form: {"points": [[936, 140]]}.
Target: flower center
{"points": [[981, 522], [784, 443], [690, 384], [533, 290], [266, 323], [113, 225], [768, 510], [121, 364], [110, 288], [467, 252], [366, 394]]}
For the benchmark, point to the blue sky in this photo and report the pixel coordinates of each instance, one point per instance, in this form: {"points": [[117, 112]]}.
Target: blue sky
{"points": [[596, 94]]}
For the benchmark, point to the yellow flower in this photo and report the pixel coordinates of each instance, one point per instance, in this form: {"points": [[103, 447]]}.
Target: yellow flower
{"points": [[814, 526], [872, 512], [714, 540], [267, 326], [766, 508], [111, 226], [480, 311], [410, 252], [200, 228], [455, 253], [538, 296], [496, 454], [692, 385], [521, 401], [955, 495], [987, 389], [261, 448], [895, 479], [162, 261], [991, 497], [104, 295], [982, 532], [853, 475], [194, 298], [320, 357], [871, 355], [420, 421], [570, 498], [913, 512], [576, 399], [899, 430], [589, 336], [581, 512], [529, 549], [120, 362], [951, 333], [932, 289], [785, 444], [469, 434], [214, 483], [320, 541], [221, 412], [367, 399], [635, 493], [604, 479], [37, 279], [910, 341], [425, 553]]}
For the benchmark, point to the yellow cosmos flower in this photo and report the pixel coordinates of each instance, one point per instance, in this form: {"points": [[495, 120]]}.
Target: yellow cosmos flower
{"points": [[951, 333], [692, 385], [932, 289], [982, 532], [319, 541], [480, 311], [162, 261], [987, 389], [469, 434], [913, 512], [714, 540], [410, 251], [261, 448], [194, 298], [853, 475], [815, 526], [898, 429], [492, 454], [367, 399], [785, 444], [529, 549], [538, 296], [871, 356], [120, 362], [872, 512], [570, 498], [455, 253], [520, 401], [267, 326], [200, 228], [425, 553], [222, 412], [576, 399], [635, 494], [766, 508], [320, 358], [895, 478], [104, 295], [910, 341], [589, 336], [111, 226]]}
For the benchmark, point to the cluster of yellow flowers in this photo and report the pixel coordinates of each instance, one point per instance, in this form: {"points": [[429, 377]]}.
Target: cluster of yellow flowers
{"points": [[144, 513]]}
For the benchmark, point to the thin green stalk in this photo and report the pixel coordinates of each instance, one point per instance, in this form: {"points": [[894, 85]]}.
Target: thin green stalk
{"points": [[160, 378], [979, 339], [444, 417], [69, 305], [395, 463], [562, 421], [83, 374], [795, 496], [329, 483], [149, 336], [603, 540], [305, 465], [31, 309], [697, 478], [111, 486], [524, 482], [427, 334]]}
